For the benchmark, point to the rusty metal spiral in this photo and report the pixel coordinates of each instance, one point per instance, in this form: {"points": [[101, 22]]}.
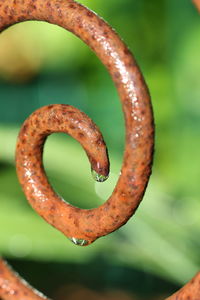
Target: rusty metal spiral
{"points": [[82, 226]]}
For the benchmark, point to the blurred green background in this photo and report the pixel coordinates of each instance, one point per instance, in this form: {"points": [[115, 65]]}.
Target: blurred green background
{"points": [[158, 249]]}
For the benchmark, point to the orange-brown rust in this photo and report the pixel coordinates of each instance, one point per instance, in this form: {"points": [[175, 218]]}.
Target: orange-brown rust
{"points": [[43, 122], [91, 224], [191, 291], [74, 222], [12, 287], [63, 216], [197, 3], [77, 223]]}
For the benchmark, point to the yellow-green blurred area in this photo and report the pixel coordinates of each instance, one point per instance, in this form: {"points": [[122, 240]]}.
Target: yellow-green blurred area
{"points": [[158, 250]]}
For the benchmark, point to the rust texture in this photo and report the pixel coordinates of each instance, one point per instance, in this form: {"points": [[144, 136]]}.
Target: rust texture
{"points": [[43, 122], [75, 223], [84, 225], [12, 287], [78, 223], [197, 3]]}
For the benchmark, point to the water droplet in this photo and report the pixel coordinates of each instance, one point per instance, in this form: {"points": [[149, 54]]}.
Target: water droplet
{"points": [[98, 177], [78, 242]]}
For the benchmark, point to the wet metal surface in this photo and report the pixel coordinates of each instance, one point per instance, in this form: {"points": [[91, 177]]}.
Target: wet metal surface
{"points": [[80, 225]]}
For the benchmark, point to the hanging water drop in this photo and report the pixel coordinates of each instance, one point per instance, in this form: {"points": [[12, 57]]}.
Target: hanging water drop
{"points": [[78, 242], [98, 177]]}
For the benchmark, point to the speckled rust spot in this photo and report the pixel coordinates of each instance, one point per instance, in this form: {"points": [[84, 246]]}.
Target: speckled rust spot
{"points": [[90, 14], [72, 6], [72, 127], [81, 135]]}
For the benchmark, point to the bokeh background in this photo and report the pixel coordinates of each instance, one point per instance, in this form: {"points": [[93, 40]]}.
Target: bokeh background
{"points": [[157, 251]]}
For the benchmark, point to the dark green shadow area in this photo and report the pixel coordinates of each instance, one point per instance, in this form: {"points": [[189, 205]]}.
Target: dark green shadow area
{"points": [[97, 276]]}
